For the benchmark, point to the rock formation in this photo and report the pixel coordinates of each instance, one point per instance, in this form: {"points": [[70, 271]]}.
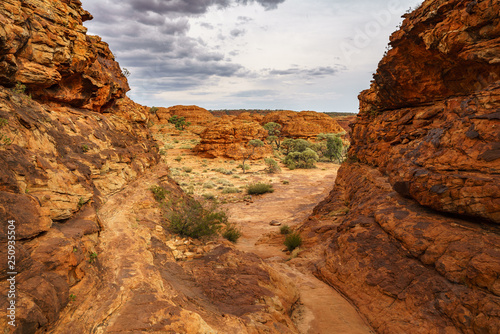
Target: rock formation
{"points": [[229, 138], [198, 117], [304, 124], [411, 228]]}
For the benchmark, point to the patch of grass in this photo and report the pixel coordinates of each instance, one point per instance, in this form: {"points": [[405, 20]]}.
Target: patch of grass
{"points": [[187, 169], [231, 233], [178, 158], [209, 196], [231, 190], [92, 257], [292, 241], [224, 182], [259, 188], [285, 229], [223, 171], [285, 182], [208, 185], [72, 297], [85, 148], [81, 202]]}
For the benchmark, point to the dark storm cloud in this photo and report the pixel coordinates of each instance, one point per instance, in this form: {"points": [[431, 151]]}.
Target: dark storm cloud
{"points": [[192, 7]]}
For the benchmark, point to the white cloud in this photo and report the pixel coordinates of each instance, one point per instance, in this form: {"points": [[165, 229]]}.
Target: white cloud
{"points": [[270, 54]]}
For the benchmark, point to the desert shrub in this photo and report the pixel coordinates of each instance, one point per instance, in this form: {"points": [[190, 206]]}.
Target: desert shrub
{"points": [[224, 182], [223, 171], [178, 158], [209, 196], [190, 219], [285, 229], [208, 185], [159, 193], [153, 110], [231, 233], [292, 241], [272, 166], [187, 169], [285, 182], [304, 159], [231, 190], [246, 167], [259, 188]]}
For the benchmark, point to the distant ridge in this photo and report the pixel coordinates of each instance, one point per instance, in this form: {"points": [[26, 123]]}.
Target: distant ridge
{"points": [[236, 112]]}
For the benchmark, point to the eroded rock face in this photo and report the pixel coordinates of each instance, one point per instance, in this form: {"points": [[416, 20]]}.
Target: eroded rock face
{"points": [[229, 138], [433, 126], [44, 46], [70, 138], [410, 229], [304, 124]]}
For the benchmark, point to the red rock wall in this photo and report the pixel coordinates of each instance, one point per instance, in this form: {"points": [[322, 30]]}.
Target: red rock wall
{"points": [[410, 231], [73, 139], [44, 46]]}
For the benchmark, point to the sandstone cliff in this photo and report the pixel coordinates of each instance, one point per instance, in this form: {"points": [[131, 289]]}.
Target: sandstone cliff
{"points": [[304, 124], [411, 228], [76, 163]]}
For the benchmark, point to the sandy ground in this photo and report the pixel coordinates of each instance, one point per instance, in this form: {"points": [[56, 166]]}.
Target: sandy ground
{"points": [[322, 310]]}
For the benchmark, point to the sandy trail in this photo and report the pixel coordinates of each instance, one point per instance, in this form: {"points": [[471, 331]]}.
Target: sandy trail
{"points": [[322, 310]]}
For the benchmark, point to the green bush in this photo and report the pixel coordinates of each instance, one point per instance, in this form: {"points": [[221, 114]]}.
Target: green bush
{"points": [[178, 158], [159, 193], [231, 233], [304, 159], [285, 229], [292, 241], [187, 169], [191, 219], [259, 188], [272, 166]]}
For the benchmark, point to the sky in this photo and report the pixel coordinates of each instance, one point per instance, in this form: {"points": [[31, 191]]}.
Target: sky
{"points": [[248, 54]]}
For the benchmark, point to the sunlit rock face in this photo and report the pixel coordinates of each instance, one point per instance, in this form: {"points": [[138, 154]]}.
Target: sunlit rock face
{"points": [[44, 46], [411, 229]]}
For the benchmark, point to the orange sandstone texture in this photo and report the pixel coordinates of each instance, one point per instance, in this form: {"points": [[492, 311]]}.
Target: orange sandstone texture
{"points": [[411, 226], [305, 124]]}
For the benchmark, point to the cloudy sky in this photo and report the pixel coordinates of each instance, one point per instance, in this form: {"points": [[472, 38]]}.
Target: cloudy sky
{"points": [[264, 54]]}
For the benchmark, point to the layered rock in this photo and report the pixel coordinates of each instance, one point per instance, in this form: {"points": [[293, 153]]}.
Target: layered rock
{"points": [[304, 124], [411, 228], [70, 138], [44, 46], [199, 118], [229, 138]]}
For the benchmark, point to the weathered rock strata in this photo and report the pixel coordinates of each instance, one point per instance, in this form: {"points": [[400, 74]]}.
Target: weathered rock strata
{"points": [[411, 228]]}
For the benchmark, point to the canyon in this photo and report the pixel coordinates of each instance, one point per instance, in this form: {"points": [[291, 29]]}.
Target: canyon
{"points": [[403, 237]]}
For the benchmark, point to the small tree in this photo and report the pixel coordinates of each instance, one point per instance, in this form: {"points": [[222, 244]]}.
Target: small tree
{"points": [[179, 122], [274, 131], [250, 150]]}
